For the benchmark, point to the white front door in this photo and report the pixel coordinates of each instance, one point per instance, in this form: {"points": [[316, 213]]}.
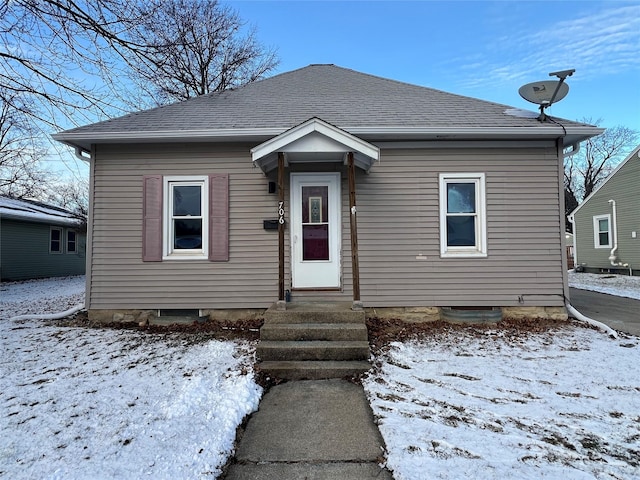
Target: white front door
{"points": [[315, 230]]}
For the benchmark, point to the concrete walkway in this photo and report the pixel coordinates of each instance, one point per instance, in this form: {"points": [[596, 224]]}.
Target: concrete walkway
{"points": [[619, 313], [311, 429]]}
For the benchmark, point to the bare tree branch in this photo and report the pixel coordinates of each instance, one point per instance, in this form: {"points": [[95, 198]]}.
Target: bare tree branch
{"points": [[68, 62], [196, 47], [21, 172], [597, 158]]}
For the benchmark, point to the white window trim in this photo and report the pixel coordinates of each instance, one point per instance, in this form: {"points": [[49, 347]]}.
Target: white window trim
{"points": [[61, 241], [168, 252], [66, 238], [480, 249], [596, 230]]}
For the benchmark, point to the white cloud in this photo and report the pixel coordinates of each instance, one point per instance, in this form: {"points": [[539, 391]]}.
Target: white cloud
{"points": [[600, 43]]}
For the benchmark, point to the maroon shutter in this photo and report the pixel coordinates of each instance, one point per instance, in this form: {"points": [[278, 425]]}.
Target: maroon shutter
{"points": [[219, 218], [152, 218]]}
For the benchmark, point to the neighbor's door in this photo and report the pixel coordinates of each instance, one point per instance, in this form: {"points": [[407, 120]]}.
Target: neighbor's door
{"points": [[315, 230]]}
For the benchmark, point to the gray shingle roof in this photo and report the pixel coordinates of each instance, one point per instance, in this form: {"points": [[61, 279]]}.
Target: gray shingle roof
{"points": [[356, 102]]}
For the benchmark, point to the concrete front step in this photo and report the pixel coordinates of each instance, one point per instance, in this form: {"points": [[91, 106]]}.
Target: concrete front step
{"points": [[315, 312], [314, 331], [313, 370], [312, 350]]}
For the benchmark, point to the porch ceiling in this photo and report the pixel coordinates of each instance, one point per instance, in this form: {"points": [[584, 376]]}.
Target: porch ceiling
{"points": [[314, 141]]}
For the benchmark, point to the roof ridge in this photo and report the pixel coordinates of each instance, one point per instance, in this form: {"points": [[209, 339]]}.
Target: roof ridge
{"points": [[405, 83]]}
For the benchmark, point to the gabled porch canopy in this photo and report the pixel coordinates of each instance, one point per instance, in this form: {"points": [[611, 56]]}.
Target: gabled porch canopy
{"points": [[315, 141]]}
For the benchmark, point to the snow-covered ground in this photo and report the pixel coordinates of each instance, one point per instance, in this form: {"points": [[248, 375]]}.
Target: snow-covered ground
{"points": [[461, 404], [79, 403], [49, 295], [619, 285]]}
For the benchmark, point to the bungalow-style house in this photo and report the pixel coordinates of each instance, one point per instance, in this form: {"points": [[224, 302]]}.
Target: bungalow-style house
{"points": [[328, 184], [39, 240], [606, 225]]}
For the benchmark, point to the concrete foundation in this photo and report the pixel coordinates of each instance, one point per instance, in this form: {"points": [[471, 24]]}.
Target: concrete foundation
{"points": [[149, 316], [407, 314], [547, 313]]}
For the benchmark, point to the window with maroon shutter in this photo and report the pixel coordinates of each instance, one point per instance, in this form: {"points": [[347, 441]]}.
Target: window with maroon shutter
{"points": [[186, 217], [152, 219], [219, 218]]}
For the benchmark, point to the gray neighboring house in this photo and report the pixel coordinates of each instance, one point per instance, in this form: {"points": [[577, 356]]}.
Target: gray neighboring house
{"points": [[606, 224], [39, 241], [326, 183]]}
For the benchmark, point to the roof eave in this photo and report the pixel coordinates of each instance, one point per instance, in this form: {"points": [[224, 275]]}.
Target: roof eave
{"points": [[35, 219], [571, 133]]}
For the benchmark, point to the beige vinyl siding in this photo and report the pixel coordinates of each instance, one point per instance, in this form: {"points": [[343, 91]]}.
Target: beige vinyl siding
{"points": [[624, 188], [119, 278], [398, 220]]}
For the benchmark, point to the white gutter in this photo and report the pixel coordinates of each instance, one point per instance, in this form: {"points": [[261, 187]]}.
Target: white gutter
{"points": [[613, 256], [237, 134]]}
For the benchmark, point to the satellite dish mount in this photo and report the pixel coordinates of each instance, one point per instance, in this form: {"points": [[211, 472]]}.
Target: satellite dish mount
{"points": [[545, 93]]}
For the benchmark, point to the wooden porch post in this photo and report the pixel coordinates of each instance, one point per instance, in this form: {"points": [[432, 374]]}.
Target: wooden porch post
{"points": [[355, 266], [281, 220]]}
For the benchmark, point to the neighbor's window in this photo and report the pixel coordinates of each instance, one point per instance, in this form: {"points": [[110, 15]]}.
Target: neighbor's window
{"points": [[72, 243], [462, 215], [602, 231], [55, 240], [186, 217]]}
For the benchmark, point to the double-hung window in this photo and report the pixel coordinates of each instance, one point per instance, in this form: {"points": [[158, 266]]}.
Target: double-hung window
{"points": [[55, 240], [602, 231], [463, 230], [72, 242], [186, 217]]}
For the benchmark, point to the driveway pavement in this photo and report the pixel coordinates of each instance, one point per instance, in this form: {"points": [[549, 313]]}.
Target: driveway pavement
{"points": [[619, 313]]}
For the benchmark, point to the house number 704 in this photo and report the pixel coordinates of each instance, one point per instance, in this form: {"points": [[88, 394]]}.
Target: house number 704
{"points": [[281, 213]]}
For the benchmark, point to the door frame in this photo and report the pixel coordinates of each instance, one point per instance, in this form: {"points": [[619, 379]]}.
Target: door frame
{"points": [[302, 272]]}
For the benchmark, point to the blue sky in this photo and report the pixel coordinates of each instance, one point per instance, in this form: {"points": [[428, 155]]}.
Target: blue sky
{"points": [[480, 49]]}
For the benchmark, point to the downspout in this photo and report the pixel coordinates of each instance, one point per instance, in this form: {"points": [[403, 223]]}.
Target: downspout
{"points": [[613, 256], [575, 148], [572, 219], [85, 156], [79, 152], [571, 310], [595, 323]]}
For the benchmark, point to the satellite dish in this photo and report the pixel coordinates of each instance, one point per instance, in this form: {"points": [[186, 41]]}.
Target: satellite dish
{"points": [[542, 92], [546, 92]]}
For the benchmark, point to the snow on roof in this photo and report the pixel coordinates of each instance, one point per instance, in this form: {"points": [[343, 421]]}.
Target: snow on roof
{"points": [[34, 211]]}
